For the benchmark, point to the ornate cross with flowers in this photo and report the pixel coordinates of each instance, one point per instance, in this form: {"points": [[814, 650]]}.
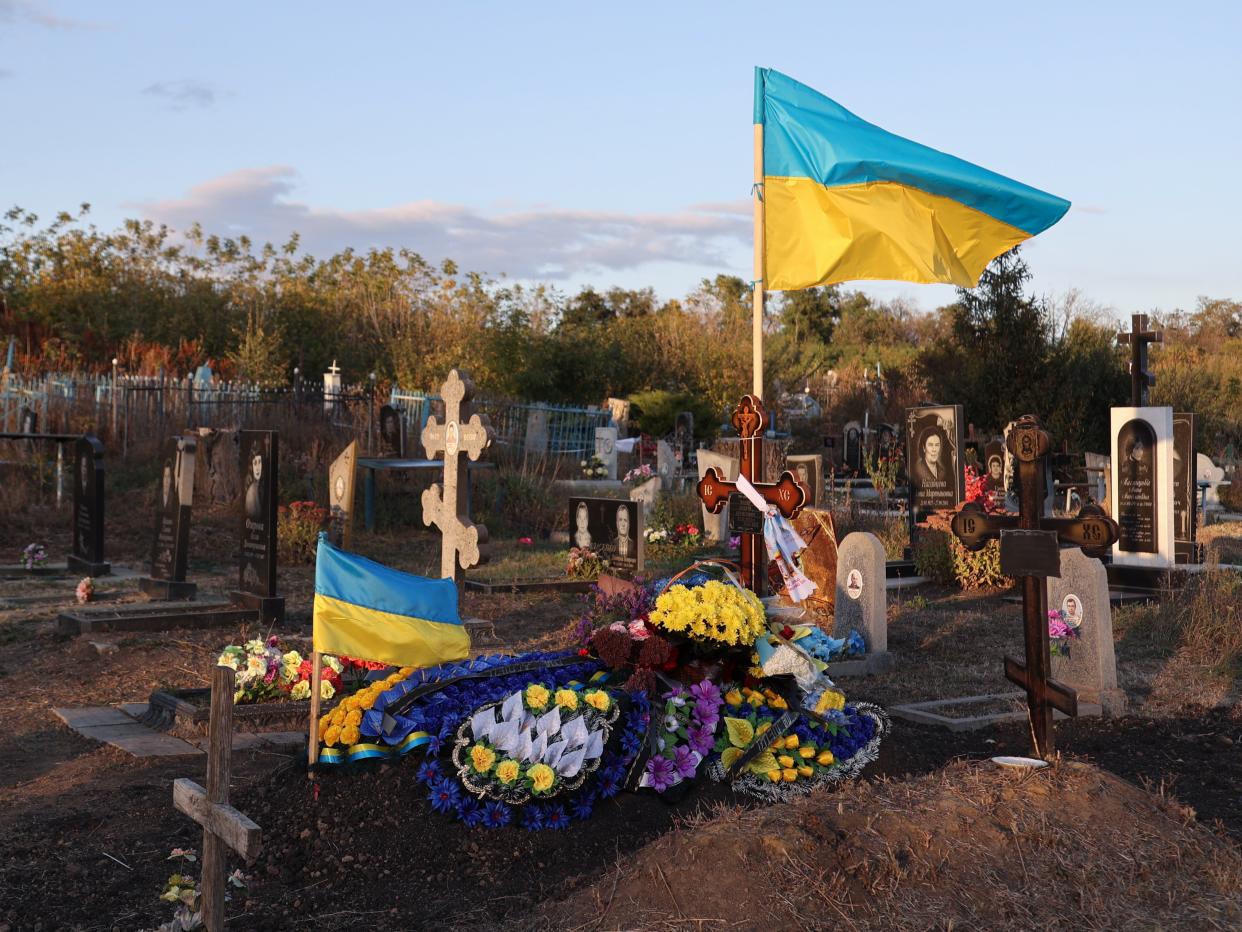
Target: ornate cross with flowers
{"points": [[786, 494], [462, 541], [1031, 540]]}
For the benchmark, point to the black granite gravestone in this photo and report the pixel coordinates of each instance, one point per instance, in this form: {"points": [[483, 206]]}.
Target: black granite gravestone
{"points": [[612, 528], [391, 433], [1137, 515], [934, 457], [260, 463], [88, 509], [173, 504]]}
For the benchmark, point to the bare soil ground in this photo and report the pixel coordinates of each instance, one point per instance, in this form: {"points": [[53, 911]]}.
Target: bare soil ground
{"points": [[932, 834]]}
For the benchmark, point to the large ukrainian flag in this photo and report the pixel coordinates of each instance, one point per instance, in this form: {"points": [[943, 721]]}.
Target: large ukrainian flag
{"points": [[845, 200], [372, 612]]}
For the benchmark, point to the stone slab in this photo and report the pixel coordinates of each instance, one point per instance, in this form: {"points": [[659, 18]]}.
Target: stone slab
{"points": [[868, 665], [92, 717], [925, 713]]}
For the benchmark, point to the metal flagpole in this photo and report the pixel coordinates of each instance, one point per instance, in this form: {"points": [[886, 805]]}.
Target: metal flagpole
{"points": [[757, 323]]}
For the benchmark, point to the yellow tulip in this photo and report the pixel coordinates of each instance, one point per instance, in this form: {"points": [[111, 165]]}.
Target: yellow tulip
{"points": [[733, 697], [825, 759], [785, 761], [774, 776], [805, 771], [789, 774], [791, 741], [807, 751]]}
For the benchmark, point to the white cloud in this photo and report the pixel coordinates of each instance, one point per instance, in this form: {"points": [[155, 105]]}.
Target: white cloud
{"points": [[544, 243], [182, 95], [38, 14]]}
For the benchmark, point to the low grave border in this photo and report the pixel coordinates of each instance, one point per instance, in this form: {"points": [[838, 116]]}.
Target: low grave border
{"points": [[153, 617], [921, 712]]}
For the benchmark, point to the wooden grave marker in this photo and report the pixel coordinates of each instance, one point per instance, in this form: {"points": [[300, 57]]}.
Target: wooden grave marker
{"points": [[786, 494], [1029, 544], [224, 827]]}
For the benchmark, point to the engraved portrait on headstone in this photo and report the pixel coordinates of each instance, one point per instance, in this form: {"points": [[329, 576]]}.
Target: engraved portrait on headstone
{"points": [[933, 461]]}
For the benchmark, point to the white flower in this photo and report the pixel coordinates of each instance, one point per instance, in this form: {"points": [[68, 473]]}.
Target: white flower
{"points": [[326, 690], [333, 663], [227, 659], [302, 690]]}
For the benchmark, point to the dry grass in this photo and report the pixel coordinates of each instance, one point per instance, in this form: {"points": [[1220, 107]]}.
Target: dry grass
{"points": [[973, 846]]}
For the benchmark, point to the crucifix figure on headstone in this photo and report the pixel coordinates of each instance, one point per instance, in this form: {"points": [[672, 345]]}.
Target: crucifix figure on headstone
{"points": [[446, 506], [1137, 339], [223, 826], [786, 495], [1030, 551]]}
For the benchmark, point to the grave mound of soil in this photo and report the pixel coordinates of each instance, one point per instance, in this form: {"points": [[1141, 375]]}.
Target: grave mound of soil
{"points": [[972, 845]]}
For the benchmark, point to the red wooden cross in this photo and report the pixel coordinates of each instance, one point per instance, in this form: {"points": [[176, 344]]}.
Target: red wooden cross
{"points": [[787, 495]]}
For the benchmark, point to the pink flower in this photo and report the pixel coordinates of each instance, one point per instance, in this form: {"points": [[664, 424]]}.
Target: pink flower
{"points": [[638, 630], [525, 541]]}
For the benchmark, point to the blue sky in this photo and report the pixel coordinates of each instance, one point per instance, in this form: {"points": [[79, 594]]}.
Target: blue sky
{"points": [[611, 144]]}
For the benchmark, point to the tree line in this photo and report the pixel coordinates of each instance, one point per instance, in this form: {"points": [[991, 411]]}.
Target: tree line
{"points": [[75, 297]]}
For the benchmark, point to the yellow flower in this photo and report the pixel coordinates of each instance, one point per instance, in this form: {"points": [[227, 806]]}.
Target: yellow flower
{"points": [[326, 689], [567, 699], [333, 663], [774, 776], [791, 741], [831, 699], [332, 735], [541, 777], [537, 696], [763, 727], [324, 722], [598, 700], [789, 774], [350, 704], [755, 699], [733, 697], [507, 771], [338, 717], [405, 672], [300, 691], [350, 734], [779, 703], [824, 759], [354, 718], [805, 771], [785, 761], [482, 758], [807, 751]]}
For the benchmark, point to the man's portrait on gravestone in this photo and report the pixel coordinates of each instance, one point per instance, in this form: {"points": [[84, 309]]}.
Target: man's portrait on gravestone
{"points": [[167, 484], [255, 499], [807, 470], [582, 521], [1071, 610], [624, 546]]}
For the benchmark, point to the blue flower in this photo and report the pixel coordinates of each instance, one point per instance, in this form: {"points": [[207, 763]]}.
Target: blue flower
{"points": [[630, 743], [555, 817], [469, 812], [532, 817], [445, 794], [583, 806], [608, 786], [428, 771], [496, 814]]}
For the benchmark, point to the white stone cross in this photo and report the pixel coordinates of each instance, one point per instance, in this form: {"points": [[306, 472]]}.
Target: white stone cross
{"points": [[445, 506]]}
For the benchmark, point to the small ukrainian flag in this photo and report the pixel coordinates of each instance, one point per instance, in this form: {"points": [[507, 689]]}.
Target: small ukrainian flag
{"points": [[373, 612], [845, 200]]}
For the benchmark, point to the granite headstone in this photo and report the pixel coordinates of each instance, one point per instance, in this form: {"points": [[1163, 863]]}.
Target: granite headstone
{"points": [[861, 601], [260, 465], [1081, 595], [606, 449], [612, 528], [341, 476], [391, 433], [1142, 486], [174, 504], [716, 527], [88, 509]]}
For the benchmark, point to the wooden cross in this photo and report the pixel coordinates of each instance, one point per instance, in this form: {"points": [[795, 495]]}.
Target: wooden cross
{"points": [[787, 495], [1137, 339], [445, 507], [223, 826], [1091, 530]]}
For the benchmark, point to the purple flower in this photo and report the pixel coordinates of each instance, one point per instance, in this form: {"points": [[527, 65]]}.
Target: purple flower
{"points": [[700, 738], [685, 762], [707, 713], [706, 691], [661, 773], [676, 695]]}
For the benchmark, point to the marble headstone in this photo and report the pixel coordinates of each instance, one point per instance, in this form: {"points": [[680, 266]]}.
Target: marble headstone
{"points": [[606, 449], [716, 527], [1213, 475], [1081, 593], [1142, 486], [537, 431], [341, 496], [861, 602], [666, 464]]}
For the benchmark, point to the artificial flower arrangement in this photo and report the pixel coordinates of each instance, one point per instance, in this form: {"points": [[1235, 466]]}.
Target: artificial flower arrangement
{"points": [[539, 739], [980, 490], [33, 556], [1060, 633], [593, 468], [639, 474], [85, 590], [677, 537], [583, 563], [265, 673]]}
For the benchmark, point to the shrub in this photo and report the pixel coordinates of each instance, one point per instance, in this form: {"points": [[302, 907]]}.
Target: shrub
{"points": [[518, 501], [297, 531], [977, 570], [1231, 495], [933, 557], [656, 412]]}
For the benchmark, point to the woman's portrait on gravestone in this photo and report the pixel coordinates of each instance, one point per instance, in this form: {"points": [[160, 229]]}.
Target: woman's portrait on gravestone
{"points": [[624, 546], [934, 466], [167, 484], [582, 521], [1136, 489], [254, 485]]}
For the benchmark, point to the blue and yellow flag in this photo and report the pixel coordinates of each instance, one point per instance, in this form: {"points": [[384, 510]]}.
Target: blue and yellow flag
{"points": [[372, 612], [845, 200]]}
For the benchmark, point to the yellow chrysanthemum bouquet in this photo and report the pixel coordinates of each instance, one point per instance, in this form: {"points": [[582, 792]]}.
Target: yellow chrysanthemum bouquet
{"points": [[714, 614]]}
